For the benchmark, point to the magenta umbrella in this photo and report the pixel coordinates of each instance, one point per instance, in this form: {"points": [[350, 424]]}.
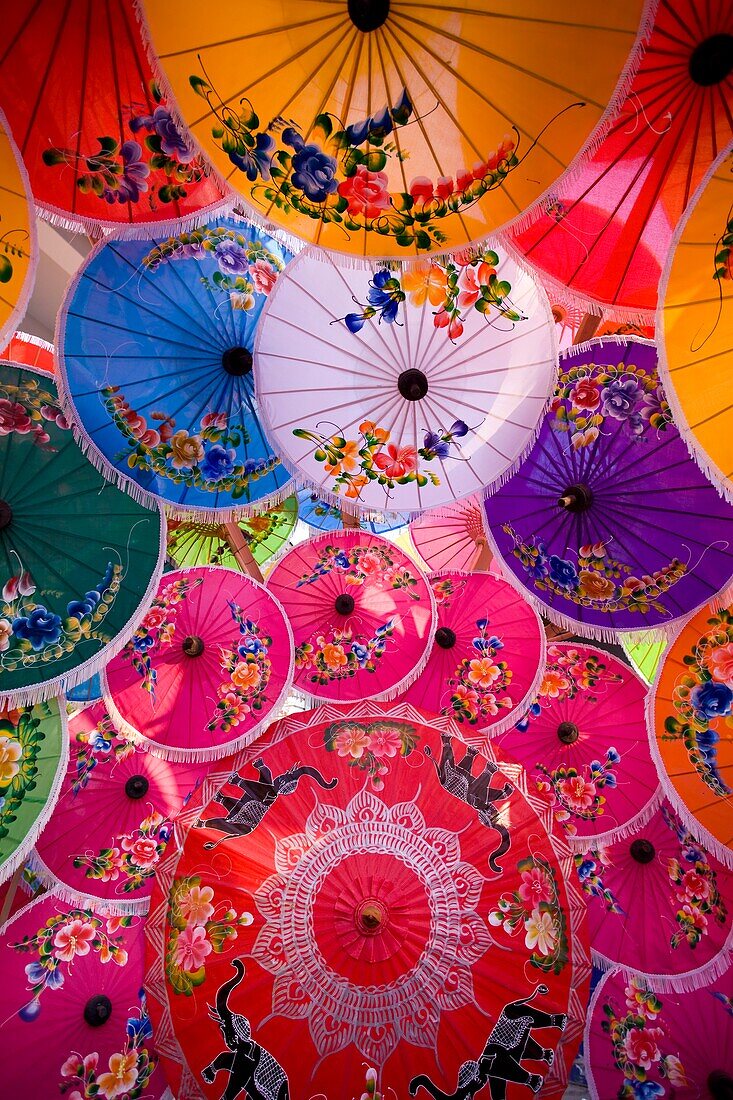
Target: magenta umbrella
{"points": [[113, 818], [659, 904], [644, 1044], [74, 1013], [208, 666], [584, 744], [452, 537], [489, 653], [362, 614]]}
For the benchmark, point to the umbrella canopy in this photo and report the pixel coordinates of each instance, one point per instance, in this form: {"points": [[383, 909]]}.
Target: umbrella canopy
{"points": [[360, 924], [609, 525], [30, 351], [605, 232], [488, 657], [583, 743], [80, 559], [641, 1042], [428, 393], [18, 244], [388, 129], [325, 516], [155, 346], [644, 652], [690, 726], [202, 543], [101, 146], [694, 324], [207, 668], [453, 537], [89, 691], [659, 904], [74, 1013], [362, 615], [33, 755], [113, 818]]}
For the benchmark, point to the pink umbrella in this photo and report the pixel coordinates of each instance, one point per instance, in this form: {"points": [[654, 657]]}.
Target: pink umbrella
{"points": [[452, 537], [489, 654], [584, 742], [659, 904], [113, 818], [206, 669], [643, 1044], [362, 615], [74, 1014]]}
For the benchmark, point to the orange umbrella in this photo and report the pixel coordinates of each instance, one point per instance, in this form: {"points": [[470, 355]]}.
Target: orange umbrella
{"points": [[18, 246]]}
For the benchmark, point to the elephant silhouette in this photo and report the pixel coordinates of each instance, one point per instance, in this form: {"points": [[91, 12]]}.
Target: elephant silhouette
{"points": [[245, 812], [475, 790], [253, 1072], [500, 1062]]}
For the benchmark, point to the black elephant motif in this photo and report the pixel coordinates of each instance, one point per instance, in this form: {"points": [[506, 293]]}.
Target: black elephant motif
{"points": [[475, 790], [253, 1072], [500, 1062], [245, 812]]}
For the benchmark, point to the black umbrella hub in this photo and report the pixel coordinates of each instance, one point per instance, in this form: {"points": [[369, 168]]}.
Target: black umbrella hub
{"points": [[712, 60], [193, 645], [344, 604], [97, 1010], [368, 15], [412, 384], [237, 362], [642, 851], [576, 498]]}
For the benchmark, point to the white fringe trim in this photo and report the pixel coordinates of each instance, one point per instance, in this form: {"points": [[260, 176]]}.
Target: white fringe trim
{"points": [[177, 753], [685, 982], [21, 305], [14, 861], [79, 898], [620, 832], [37, 342], [711, 470], [100, 228]]}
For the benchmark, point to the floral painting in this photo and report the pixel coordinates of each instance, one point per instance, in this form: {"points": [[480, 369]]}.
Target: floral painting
{"points": [[370, 746], [638, 1038], [199, 922], [128, 1072], [535, 910]]}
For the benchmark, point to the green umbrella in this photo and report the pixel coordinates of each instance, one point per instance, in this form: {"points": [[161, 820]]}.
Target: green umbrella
{"points": [[191, 544], [644, 652], [33, 757], [79, 558]]}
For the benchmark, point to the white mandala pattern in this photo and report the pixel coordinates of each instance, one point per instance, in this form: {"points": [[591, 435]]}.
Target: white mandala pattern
{"points": [[308, 986]]}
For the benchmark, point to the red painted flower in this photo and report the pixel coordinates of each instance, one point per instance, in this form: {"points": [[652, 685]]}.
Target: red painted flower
{"points": [[366, 193], [396, 461], [585, 394], [640, 1046]]}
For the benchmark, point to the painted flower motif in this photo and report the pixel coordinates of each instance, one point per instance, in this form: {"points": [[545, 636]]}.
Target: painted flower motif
{"points": [[595, 585], [720, 663], [334, 656], [40, 628], [314, 172], [585, 394], [675, 1072], [620, 397], [171, 140], [367, 193], [352, 741], [187, 450], [396, 461], [470, 280], [584, 438], [11, 752], [554, 683], [74, 939], [483, 672], [385, 741], [246, 675], [135, 172], [540, 932], [192, 947], [563, 572], [695, 885], [6, 630], [577, 793], [535, 887], [14, 418], [195, 905], [425, 281], [263, 276], [121, 1076], [218, 463], [640, 1045], [143, 851], [712, 700]]}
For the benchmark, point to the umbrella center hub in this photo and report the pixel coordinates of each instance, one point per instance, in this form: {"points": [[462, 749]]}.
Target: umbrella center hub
{"points": [[193, 646], [568, 733], [576, 498], [720, 1084], [6, 514], [97, 1010], [372, 916], [344, 604], [237, 361], [712, 60], [136, 786], [368, 15], [642, 851], [412, 384], [445, 637]]}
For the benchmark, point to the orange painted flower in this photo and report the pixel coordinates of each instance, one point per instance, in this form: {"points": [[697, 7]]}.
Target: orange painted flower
{"points": [[483, 672], [595, 585], [348, 462], [246, 675], [425, 281], [553, 684], [334, 656], [355, 486], [368, 427], [10, 754], [121, 1077]]}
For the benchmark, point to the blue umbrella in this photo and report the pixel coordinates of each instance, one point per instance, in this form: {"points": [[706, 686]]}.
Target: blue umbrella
{"points": [[327, 517], [155, 347], [87, 692]]}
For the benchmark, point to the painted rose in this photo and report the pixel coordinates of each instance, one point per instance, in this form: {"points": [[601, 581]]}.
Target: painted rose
{"points": [[6, 630], [695, 885], [246, 675], [620, 398], [143, 851], [585, 394], [483, 672], [396, 461], [314, 172], [720, 663], [187, 450], [366, 193], [535, 887], [334, 656], [577, 793], [195, 906], [74, 939], [40, 628], [712, 700], [121, 1076], [640, 1046], [192, 947], [11, 752], [370, 563], [540, 932], [352, 741], [214, 420], [218, 463], [13, 418], [263, 276], [595, 585], [562, 572], [385, 741], [231, 258]]}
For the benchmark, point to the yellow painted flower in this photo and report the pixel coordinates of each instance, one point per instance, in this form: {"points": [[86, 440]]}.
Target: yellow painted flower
{"points": [[187, 450], [425, 281], [10, 754]]}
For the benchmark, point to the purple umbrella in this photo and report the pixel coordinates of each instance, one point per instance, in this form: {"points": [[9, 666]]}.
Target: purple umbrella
{"points": [[609, 525]]}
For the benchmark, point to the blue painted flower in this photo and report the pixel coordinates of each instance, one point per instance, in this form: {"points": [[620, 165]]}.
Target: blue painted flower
{"points": [[99, 743], [134, 174], [251, 645], [40, 628], [256, 162], [586, 869], [360, 652], [562, 572], [139, 1029], [458, 429], [381, 125], [171, 141], [29, 1012], [78, 608], [481, 624], [231, 258], [143, 642], [613, 756], [35, 973], [357, 132], [620, 398], [402, 108], [435, 445], [341, 560], [647, 1090], [355, 321], [711, 700], [314, 173], [218, 463]]}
